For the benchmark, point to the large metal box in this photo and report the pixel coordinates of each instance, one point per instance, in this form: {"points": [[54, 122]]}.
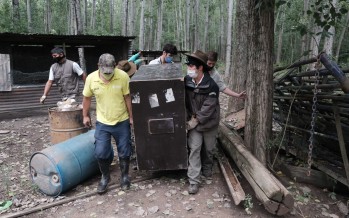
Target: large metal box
{"points": [[158, 107]]}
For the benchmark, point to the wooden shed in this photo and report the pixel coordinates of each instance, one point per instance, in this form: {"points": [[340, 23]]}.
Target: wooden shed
{"points": [[25, 61]]}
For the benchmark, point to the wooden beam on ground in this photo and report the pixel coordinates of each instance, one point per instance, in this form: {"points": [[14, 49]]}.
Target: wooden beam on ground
{"points": [[232, 181], [275, 197], [341, 141]]}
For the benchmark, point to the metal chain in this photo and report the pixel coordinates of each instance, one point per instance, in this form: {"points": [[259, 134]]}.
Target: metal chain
{"points": [[313, 117]]}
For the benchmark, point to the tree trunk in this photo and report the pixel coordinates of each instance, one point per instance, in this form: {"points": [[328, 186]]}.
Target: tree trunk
{"points": [[281, 32], [304, 41], [111, 11], [315, 43], [15, 16], [159, 25], [141, 27], [124, 17], [328, 44], [77, 17], [71, 23], [93, 16], [196, 26], [131, 19], [150, 34], [240, 55], [340, 40], [222, 31], [47, 18], [228, 47], [187, 27], [259, 103], [29, 16], [207, 8], [85, 16]]}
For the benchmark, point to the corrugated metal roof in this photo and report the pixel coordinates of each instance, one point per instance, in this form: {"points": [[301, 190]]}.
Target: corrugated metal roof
{"points": [[50, 38], [28, 97]]}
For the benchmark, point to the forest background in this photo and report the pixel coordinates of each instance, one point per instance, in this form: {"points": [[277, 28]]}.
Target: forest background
{"points": [[251, 37]]}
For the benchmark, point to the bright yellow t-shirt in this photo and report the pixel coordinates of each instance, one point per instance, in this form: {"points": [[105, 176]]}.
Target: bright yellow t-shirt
{"points": [[111, 106]]}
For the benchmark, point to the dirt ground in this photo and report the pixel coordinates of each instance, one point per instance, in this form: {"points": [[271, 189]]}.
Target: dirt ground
{"points": [[163, 195]]}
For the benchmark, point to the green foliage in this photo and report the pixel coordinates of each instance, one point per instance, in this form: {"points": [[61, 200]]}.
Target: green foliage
{"points": [[325, 13]]}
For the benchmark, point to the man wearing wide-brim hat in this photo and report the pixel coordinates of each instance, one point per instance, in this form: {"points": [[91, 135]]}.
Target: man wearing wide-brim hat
{"points": [[202, 105], [129, 67]]}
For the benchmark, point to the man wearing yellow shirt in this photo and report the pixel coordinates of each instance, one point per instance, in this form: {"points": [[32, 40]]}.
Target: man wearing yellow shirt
{"points": [[110, 86]]}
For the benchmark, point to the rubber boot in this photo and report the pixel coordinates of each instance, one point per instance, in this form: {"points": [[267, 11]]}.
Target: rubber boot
{"points": [[124, 166], [104, 168]]}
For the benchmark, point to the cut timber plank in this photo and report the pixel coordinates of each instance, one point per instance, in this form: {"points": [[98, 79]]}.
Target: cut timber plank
{"points": [[233, 183], [274, 196]]}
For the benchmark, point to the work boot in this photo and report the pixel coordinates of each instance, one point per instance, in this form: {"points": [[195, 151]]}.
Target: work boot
{"points": [[124, 166], [104, 168], [193, 188]]}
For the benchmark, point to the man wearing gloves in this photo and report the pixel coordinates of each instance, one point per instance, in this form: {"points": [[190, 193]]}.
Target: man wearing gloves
{"points": [[110, 86], [168, 52], [202, 105], [65, 73]]}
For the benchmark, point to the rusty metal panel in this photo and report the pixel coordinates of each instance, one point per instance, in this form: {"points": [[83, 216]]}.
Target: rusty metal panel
{"points": [[27, 97], [5, 77], [158, 107]]}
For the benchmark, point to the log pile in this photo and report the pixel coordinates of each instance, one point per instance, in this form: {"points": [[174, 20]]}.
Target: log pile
{"points": [[294, 107], [272, 194]]}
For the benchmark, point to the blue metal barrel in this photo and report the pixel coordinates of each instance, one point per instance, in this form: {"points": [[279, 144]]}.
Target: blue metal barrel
{"points": [[62, 166]]}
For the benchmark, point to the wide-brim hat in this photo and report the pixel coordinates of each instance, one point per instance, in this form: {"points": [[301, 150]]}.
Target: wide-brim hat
{"points": [[199, 56], [129, 67]]}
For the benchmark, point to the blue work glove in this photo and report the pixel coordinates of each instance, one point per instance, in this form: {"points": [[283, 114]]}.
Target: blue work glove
{"points": [[138, 61], [134, 57]]}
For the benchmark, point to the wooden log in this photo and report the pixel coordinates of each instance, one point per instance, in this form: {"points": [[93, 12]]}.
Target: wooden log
{"points": [[310, 87], [341, 141], [274, 196], [323, 72], [335, 71], [306, 97], [232, 181], [296, 64]]}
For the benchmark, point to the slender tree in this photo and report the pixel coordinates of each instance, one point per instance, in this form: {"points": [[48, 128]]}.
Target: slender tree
{"points": [[124, 30], [228, 50], [111, 13], [329, 39], [15, 16], [159, 24], [340, 40], [187, 25], [141, 27], [240, 55], [29, 16], [93, 15]]}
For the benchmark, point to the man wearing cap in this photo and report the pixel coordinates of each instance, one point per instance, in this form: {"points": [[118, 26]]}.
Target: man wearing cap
{"points": [[65, 73], [168, 52], [110, 86], [202, 106]]}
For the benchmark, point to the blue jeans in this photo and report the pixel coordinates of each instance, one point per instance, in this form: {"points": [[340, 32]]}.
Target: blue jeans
{"points": [[121, 133]]}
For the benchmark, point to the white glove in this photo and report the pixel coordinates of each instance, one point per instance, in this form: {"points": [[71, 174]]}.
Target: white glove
{"points": [[42, 99], [192, 123]]}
